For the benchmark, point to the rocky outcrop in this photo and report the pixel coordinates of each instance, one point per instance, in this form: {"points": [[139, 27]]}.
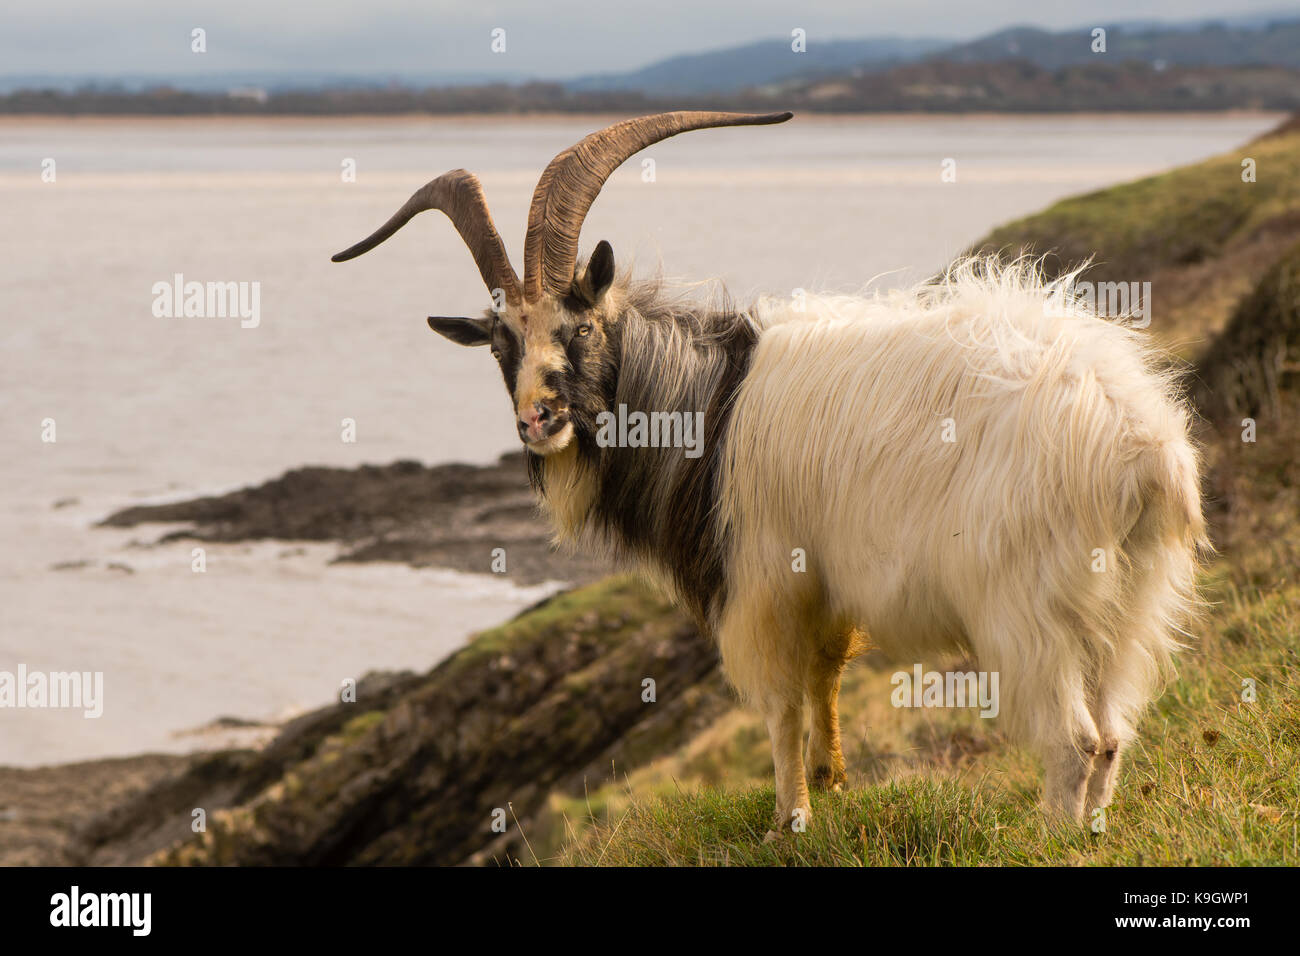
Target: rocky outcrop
{"points": [[419, 768], [450, 516], [449, 767]]}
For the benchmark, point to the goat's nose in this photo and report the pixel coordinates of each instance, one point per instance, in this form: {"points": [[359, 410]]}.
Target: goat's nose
{"points": [[534, 421]]}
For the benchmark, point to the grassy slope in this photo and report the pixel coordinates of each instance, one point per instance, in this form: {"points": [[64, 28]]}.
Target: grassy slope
{"points": [[1214, 779], [1200, 235]]}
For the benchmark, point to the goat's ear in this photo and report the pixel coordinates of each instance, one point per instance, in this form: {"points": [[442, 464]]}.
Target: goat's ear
{"points": [[462, 331], [598, 277]]}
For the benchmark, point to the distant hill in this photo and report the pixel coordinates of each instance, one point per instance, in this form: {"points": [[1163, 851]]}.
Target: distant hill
{"points": [[1008, 86], [1246, 41], [1214, 44], [1020, 85], [1235, 63], [758, 64]]}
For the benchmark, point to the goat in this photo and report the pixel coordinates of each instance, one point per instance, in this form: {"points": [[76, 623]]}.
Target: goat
{"points": [[953, 460]]}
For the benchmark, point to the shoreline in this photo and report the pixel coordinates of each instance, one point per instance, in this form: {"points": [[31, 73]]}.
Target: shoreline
{"points": [[405, 513], [423, 535], [449, 516], [406, 119]]}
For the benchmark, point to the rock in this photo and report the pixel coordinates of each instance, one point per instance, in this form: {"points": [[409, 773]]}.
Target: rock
{"points": [[413, 771], [450, 516]]}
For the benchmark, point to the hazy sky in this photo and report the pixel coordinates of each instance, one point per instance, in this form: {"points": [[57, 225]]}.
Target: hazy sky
{"points": [[543, 37]]}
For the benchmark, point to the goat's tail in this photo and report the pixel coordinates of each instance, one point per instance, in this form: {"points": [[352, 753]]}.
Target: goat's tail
{"points": [[1162, 553]]}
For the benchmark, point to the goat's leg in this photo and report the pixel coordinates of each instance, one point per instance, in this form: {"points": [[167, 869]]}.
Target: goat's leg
{"points": [[764, 656], [825, 755], [1042, 700], [1105, 771], [785, 727], [1114, 733], [1068, 762], [1069, 755]]}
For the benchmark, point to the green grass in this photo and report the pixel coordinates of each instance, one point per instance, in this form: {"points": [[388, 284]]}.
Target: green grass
{"points": [[1184, 216], [1213, 781], [619, 604], [915, 822], [1198, 234]]}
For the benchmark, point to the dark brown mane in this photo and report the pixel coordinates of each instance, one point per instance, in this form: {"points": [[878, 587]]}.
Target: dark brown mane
{"points": [[655, 505]]}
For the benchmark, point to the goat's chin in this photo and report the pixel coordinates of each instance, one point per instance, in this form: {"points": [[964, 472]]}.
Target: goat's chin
{"points": [[553, 443]]}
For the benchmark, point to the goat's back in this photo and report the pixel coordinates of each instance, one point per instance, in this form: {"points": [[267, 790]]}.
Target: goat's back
{"points": [[941, 451]]}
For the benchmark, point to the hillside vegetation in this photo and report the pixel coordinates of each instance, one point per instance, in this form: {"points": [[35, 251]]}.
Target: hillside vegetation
{"points": [[1199, 234]]}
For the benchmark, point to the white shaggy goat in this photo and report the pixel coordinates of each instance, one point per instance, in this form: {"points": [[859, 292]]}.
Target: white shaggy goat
{"points": [[965, 467]]}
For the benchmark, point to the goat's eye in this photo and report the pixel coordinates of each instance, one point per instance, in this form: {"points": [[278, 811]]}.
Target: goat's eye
{"points": [[584, 329], [496, 353]]}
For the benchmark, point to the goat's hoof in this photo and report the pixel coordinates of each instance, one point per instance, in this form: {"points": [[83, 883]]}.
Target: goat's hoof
{"points": [[1060, 814], [797, 822], [826, 778]]}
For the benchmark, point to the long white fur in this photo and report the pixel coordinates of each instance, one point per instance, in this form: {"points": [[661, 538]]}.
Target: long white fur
{"points": [[1069, 438]]}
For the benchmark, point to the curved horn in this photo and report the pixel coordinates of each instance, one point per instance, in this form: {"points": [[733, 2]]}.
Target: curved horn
{"points": [[572, 181], [460, 195]]}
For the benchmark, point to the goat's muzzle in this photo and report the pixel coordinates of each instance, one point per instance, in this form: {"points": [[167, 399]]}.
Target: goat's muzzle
{"points": [[540, 428]]}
